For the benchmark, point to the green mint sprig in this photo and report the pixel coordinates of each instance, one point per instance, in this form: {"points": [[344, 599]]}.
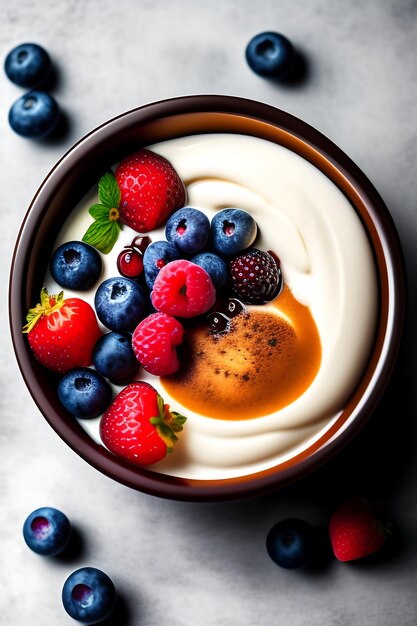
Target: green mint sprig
{"points": [[104, 231]]}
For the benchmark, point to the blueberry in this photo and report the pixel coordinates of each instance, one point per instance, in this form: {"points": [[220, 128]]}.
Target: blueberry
{"points": [[120, 304], [47, 531], [292, 543], [157, 255], [189, 229], [34, 115], [84, 393], [27, 65], [88, 595], [215, 267], [76, 265], [270, 54], [232, 230], [114, 358]]}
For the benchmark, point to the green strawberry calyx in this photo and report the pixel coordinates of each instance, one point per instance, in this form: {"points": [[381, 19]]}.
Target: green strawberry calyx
{"points": [[104, 231], [167, 423], [47, 305]]}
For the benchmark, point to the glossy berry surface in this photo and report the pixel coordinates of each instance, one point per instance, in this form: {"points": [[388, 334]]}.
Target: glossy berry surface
{"points": [[188, 229], [215, 267], [183, 289], [76, 265], [84, 393], [130, 263], [114, 358], [255, 276], [34, 115], [154, 343], [88, 595], [27, 65], [232, 230], [156, 256], [47, 531], [292, 543], [120, 304], [270, 54]]}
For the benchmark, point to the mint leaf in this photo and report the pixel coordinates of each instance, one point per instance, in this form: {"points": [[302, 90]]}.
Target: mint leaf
{"points": [[108, 190], [102, 234], [99, 211]]}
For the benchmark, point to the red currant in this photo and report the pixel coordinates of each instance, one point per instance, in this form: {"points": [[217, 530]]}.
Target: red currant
{"points": [[130, 263]]}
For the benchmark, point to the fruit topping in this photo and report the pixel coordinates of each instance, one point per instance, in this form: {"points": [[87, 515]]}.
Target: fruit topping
{"points": [[76, 265], [120, 304], [88, 595], [183, 289], [150, 190], [154, 342], [356, 530], [220, 320], [256, 277], [84, 393], [156, 256], [27, 65], [270, 54], [104, 231], [232, 230], [215, 267], [47, 531], [292, 543], [114, 358], [62, 332], [189, 229], [130, 263], [139, 427], [34, 115]]}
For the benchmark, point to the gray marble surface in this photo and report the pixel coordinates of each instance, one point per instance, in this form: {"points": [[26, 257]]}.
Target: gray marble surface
{"points": [[188, 564]]}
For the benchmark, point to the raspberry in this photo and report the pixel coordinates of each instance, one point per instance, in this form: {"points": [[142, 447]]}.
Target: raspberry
{"points": [[154, 341], [255, 276], [183, 289]]}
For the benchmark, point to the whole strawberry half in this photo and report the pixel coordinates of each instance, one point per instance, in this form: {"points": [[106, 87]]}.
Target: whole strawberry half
{"points": [[139, 427], [150, 190], [62, 333], [356, 530]]}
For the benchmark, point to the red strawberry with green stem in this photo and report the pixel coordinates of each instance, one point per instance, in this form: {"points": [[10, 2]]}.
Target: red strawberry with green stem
{"points": [[139, 427], [150, 190], [62, 333]]}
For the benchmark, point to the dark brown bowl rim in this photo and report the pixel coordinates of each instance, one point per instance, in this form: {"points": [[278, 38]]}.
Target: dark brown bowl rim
{"points": [[354, 183]]}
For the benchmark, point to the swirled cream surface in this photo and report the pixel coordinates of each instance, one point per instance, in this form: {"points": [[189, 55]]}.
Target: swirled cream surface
{"points": [[327, 265]]}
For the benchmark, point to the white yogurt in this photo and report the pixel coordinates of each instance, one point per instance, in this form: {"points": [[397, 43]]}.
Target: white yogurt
{"points": [[327, 262]]}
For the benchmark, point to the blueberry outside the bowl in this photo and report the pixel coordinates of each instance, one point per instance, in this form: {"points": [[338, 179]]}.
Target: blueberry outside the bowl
{"points": [[188, 229], [120, 304], [88, 595], [76, 265], [292, 543], [114, 358], [156, 256], [34, 115], [84, 393], [232, 230], [47, 531], [215, 267], [270, 54], [28, 65]]}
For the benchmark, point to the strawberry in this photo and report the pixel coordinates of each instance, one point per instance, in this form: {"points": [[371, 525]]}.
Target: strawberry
{"points": [[150, 190], [139, 427], [62, 333], [356, 530]]}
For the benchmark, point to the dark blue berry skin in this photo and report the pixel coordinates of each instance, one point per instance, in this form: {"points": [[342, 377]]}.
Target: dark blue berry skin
{"points": [[27, 65], [292, 543], [34, 115], [88, 595], [232, 230], [47, 531], [84, 393], [120, 304], [157, 255], [76, 265], [114, 358], [270, 54], [215, 267], [189, 229]]}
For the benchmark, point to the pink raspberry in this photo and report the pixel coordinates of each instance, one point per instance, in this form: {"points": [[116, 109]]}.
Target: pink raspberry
{"points": [[154, 341], [183, 289]]}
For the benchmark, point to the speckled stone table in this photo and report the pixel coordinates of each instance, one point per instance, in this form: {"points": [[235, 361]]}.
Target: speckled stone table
{"points": [[182, 564]]}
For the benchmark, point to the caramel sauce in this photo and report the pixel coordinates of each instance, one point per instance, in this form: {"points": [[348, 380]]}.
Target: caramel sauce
{"points": [[260, 366]]}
